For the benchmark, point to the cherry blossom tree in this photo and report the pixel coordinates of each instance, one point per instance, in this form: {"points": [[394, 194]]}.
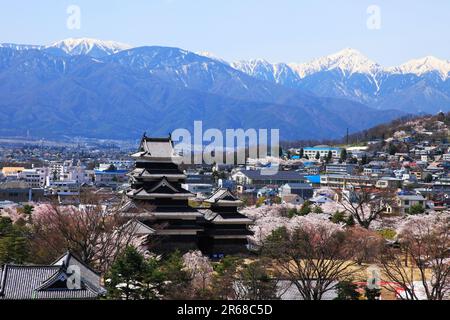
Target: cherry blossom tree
{"points": [[422, 261], [309, 253], [365, 244], [199, 268]]}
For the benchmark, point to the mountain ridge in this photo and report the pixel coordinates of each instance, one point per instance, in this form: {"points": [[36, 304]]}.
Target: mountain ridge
{"points": [[157, 89]]}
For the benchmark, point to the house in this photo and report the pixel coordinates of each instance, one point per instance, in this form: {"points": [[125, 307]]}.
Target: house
{"points": [[321, 199], [261, 178], [34, 177], [267, 191], [406, 201], [340, 181], [63, 188], [199, 189], [388, 183], [304, 190], [20, 191], [68, 278], [314, 180], [294, 199], [110, 177], [323, 151], [341, 168]]}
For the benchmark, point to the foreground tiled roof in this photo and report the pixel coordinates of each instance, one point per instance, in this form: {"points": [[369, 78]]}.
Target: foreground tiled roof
{"points": [[25, 282], [22, 282]]}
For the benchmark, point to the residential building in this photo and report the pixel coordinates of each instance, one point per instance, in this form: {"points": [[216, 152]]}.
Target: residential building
{"points": [[340, 181], [261, 178], [406, 201], [323, 151], [19, 192], [110, 178], [304, 190], [199, 189], [341, 168], [34, 177]]}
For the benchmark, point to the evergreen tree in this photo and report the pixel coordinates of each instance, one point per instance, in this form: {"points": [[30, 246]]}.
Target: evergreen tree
{"points": [[318, 210], [343, 155], [317, 155], [329, 156], [302, 153], [338, 217], [346, 290], [255, 282], [177, 277], [364, 159], [350, 221], [428, 178], [225, 278], [416, 209], [125, 278], [14, 243], [372, 294], [305, 209], [392, 149]]}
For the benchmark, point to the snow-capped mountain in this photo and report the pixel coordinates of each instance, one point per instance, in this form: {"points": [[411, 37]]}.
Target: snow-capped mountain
{"points": [[211, 55], [279, 73], [157, 89], [417, 86], [349, 61], [21, 46], [87, 80], [423, 66], [90, 47]]}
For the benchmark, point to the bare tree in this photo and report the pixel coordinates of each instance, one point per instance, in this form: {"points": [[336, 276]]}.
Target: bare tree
{"points": [[95, 233], [365, 244], [422, 261], [365, 204], [312, 257]]}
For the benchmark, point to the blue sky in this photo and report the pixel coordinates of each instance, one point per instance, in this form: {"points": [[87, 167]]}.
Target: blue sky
{"points": [[277, 30]]}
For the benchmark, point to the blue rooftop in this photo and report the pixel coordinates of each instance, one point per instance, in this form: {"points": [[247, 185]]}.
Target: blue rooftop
{"points": [[98, 172], [313, 179]]}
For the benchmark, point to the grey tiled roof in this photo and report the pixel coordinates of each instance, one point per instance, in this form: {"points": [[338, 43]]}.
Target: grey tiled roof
{"points": [[48, 282], [24, 282], [221, 195]]}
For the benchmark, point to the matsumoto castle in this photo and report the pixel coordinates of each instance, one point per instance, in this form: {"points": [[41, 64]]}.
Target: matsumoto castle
{"points": [[161, 206]]}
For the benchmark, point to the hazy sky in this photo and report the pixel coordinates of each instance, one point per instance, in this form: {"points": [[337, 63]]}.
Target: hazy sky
{"points": [[277, 30]]}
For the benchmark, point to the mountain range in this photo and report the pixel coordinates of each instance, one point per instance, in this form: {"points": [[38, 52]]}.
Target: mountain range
{"points": [[104, 89], [417, 86]]}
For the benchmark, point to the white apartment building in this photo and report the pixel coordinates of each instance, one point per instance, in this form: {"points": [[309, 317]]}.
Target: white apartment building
{"points": [[35, 178]]}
